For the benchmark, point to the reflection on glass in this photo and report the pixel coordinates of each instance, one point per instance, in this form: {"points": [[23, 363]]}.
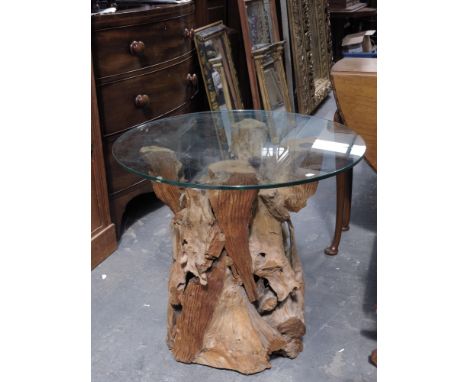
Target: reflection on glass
{"points": [[358, 150], [336, 147]]}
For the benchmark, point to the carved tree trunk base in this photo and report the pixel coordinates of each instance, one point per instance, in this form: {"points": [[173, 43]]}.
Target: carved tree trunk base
{"points": [[236, 288], [212, 320]]}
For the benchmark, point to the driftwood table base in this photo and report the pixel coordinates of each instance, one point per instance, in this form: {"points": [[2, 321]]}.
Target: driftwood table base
{"points": [[236, 288], [231, 179]]}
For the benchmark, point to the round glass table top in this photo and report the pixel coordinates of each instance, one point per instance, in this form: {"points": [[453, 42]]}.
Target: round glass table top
{"points": [[276, 149]]}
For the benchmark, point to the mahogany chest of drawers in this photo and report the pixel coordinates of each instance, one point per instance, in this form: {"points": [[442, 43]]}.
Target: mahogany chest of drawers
{"points": [[146, 68]]}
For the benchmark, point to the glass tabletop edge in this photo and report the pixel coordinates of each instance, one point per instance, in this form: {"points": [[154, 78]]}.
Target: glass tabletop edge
{"points": [[239, 187]]}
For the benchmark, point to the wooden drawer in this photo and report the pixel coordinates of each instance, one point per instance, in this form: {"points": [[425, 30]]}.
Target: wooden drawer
{"points": [[163, 41], [119, 179], [166, 90]]}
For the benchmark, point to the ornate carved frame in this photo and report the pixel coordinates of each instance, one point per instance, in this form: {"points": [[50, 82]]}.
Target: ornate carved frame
{"points": [[217, 64], [248, 46], [309, 27], [223, 64], [266, 58]]}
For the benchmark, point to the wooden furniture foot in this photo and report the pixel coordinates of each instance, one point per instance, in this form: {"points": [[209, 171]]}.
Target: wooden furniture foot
{"points": [[373, 357]]}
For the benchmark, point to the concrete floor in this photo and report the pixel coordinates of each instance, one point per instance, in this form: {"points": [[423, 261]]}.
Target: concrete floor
{"points": [[129, 296]]}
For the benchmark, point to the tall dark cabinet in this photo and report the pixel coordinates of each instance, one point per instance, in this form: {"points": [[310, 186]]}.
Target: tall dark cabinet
{"points": [[145, 67]]}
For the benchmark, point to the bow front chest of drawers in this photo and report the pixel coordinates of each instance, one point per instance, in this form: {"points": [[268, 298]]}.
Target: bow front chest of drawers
{"points": [[145, 67]]}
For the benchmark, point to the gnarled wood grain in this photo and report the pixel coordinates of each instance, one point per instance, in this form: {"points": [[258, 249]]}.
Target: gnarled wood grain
{"points": [[238, 338], [233, 210], [236, 288], [164, 163], [198, 303], [268, 254]]}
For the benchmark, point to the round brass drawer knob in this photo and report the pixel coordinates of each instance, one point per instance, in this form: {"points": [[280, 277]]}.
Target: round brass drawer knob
{"points": [[137, 48], [192, 79], [189, 33], [142, 100]]}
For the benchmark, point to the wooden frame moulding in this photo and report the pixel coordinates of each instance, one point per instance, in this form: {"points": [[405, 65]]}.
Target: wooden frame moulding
{"points": [[272, 81], [309, 28], [221, 62], [287, 53], [217, 65], [269, 59], [258, 39]]}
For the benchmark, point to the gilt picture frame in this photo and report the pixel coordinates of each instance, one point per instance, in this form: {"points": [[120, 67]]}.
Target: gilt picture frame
{"points": [[217, 67], [259, 23], [309, 29], [271, 77], [272, 81], [220, 74]]}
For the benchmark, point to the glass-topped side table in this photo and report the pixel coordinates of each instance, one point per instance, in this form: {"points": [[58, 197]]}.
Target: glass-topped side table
{"points": [[231, 179]]}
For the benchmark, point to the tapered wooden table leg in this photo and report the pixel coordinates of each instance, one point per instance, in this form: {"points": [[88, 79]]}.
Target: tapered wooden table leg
{"points": [[348, 189], [332, 250]]}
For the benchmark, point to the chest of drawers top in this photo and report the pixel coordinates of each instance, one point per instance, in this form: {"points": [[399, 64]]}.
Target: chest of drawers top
{"points": [[128, 42]]}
